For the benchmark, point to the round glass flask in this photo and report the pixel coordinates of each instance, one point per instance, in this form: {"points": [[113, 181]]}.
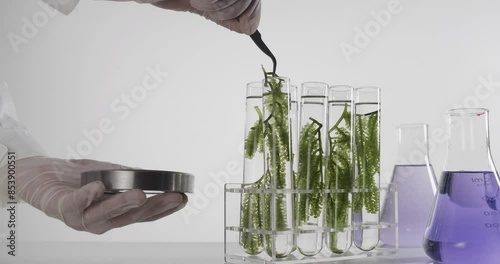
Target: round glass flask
{"points": [[464, 226]]}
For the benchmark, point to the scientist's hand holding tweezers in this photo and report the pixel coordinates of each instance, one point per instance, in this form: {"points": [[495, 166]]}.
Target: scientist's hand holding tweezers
{"points": [[242, 16]]}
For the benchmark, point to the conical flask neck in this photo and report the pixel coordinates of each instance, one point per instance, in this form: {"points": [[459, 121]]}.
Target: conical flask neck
{"points": [[412, 144], [468, 143]]}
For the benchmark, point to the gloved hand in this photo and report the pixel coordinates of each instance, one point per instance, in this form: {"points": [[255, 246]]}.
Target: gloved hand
{"points": [[64, 6], [53, 186], [242, 16]]}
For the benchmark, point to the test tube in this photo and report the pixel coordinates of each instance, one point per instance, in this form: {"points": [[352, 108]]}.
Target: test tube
{"points": [[366, 198], [339, 171], [277, 202], [251, 238], [309, 179]]}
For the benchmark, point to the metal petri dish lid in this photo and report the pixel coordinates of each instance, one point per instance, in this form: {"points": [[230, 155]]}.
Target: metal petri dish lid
{"points": [[150, 181]]}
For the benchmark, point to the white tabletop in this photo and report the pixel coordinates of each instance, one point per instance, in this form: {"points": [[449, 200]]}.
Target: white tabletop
{"points": [[152, 253]]}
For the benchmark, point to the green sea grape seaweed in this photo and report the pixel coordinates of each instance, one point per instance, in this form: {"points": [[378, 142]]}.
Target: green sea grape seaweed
{"points": [[310, 172], [367, 162], [339, 177], [260, 209]]}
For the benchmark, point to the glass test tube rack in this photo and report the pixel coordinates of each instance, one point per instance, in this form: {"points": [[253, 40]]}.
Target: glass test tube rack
{"points": [[268, 241]]}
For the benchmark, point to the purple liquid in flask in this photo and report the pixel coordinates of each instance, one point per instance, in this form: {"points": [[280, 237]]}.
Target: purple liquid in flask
{"points": [[465, 225], [416, 184], [416, 188]]}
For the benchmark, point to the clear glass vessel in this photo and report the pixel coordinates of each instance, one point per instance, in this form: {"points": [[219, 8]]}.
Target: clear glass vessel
{"points": [[278, 148], [309, 179], [339, 169], [414, 177], [464, 226], [366, 199], [251, 240], [303, 177]]}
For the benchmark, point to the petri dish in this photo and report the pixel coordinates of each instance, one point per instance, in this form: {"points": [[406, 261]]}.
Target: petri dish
{"points": [[150, 181]]}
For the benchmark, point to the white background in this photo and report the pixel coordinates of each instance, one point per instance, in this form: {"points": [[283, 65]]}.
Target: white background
{"points": [[429, 58]]}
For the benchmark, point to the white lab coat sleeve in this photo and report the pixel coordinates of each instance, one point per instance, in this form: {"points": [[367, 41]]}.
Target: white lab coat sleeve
{"points": [[12, 133], [67, 6], [14, 137], [3, 175], [63, 6]]}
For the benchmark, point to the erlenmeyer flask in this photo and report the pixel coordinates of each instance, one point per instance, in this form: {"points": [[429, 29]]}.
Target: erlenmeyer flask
{"points": [[416, 182], [464, 226]]}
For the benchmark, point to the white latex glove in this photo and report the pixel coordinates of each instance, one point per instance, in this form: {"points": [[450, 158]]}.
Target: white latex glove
{"points": [[53, 186], [63, 6], [222, 12]]}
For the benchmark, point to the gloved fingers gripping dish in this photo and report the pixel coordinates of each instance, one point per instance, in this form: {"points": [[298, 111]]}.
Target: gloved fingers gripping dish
{"points": [[54, 187]]}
